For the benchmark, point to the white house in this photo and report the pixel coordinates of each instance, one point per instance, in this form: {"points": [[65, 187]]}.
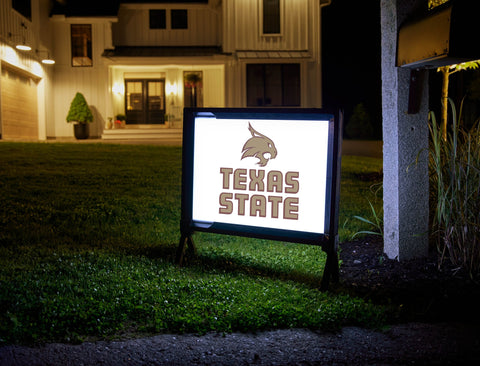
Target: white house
{"points": [[148, 60]]}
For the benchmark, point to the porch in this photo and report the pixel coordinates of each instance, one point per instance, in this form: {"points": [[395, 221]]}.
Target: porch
{"points": [[145, 132]]}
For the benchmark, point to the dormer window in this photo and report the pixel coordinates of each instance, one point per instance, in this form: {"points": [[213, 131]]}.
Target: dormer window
{"points": [[158, 19], [174, 19], [179, 19]]}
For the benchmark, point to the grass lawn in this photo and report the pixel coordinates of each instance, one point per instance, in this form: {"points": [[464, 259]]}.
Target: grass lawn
{"points": [[88, 234]]}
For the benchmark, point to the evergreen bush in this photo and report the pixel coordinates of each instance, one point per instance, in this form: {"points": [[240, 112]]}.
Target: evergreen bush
{"points": [[359, 125], [79, 110]]}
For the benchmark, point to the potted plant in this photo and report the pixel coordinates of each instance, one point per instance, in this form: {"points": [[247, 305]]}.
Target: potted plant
{"points": [[120, 120], [193, 80], [81, 115]]}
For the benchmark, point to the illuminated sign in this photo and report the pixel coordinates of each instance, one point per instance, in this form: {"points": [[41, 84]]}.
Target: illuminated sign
{"points": [[267, 173]]}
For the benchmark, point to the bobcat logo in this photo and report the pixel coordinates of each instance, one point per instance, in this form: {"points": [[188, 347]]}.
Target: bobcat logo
{"points": [[257, 146]]}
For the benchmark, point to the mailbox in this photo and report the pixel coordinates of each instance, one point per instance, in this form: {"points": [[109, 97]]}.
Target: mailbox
{"points": [[446, 36]]}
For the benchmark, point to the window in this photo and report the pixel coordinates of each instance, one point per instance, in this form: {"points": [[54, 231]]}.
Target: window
{"points": [[158, 19], [24, 7], [273, 85], [81, 44], [271, 16], [179, 19]]}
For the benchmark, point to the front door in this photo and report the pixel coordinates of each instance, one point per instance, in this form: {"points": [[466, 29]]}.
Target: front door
{"points": [[145, 101], [273, 85]]}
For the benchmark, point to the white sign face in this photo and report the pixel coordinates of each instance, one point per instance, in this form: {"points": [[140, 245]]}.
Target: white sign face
{"points": [[264, 173]]}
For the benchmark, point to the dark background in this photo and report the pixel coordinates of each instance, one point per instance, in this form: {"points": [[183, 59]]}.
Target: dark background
{"points": [[351, 58], [351, 62]]}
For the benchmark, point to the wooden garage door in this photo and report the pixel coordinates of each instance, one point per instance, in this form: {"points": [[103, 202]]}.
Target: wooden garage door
{"points": [[19, 105]]}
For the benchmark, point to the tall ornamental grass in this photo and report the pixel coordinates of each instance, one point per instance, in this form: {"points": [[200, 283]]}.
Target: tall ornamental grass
{"points": [[455, 185]]}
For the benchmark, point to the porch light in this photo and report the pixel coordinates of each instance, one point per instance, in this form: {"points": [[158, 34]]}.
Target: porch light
{"points": [[118, 88], [172, 88], [46, 60], [22, 44], [23, 47]]}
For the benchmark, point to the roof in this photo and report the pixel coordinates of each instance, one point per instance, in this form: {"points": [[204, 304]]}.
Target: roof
{"points": [[165, 1], [85, 8], [282, 54], [102, 8], [163, 51]]}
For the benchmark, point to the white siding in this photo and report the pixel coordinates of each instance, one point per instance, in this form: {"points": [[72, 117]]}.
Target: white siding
{"points": [[300, 33], [242, 26], [11, 29], [37, 33], [93, 84], [214, 88], [133, 28], [92, 81]]}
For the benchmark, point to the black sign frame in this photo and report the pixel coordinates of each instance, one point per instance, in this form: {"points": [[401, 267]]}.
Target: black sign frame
{"points": [[327, 240]]}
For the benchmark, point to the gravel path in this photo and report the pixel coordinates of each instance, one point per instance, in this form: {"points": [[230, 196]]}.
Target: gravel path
{"points": [[406, 344], [439, 326]]}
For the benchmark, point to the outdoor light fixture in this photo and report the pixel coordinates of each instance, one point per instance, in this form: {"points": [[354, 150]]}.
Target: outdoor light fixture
{"points": [[22, 44], [118, 88], [172, 88], [23, 47], [440, 38], [46, 60]]}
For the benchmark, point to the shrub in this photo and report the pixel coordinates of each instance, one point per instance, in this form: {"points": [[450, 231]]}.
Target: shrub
{"points": [[455, 181], [359, 126], [79, 110]]}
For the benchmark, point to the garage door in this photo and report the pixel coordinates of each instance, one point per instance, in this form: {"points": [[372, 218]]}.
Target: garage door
{"points": [[19, 105]]}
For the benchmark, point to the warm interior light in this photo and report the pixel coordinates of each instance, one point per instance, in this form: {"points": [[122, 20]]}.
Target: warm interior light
{"points": [[48, 61]]}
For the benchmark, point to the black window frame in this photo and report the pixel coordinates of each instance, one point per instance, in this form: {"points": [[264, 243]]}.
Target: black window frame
{"points": [[157, 18], [271, 17], [258, 81], [179, 19], [89, 46]]}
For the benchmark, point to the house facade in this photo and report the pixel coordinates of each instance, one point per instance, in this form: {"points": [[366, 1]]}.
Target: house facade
{"points": [[147, 60]]}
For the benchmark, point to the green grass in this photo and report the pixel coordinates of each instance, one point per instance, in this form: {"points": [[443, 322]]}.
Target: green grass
{"points": [[88, 234]]}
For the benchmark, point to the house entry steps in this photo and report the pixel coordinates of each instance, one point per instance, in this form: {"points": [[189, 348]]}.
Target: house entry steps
{"points": [[139, 133]]}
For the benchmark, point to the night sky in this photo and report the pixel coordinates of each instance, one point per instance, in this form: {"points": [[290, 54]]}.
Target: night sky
{"points": [[351, 57]]}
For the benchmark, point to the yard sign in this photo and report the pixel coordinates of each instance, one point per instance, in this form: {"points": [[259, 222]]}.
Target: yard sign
{"points": [[265, 173]]}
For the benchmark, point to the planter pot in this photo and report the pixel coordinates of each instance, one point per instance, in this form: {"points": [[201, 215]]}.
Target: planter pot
{"points": [[81, 131]]}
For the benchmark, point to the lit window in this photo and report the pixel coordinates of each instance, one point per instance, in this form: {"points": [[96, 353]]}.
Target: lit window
{"points": [[81, 45]]}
